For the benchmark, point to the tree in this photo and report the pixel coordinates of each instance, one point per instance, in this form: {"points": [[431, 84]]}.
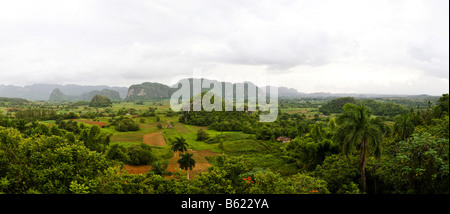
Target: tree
{"points": [[264, 133], [223, 177], [442, 107], [335, 105], [403, 126], [356, 128], [423, 163], [100, 101], [179, 145], [216, 181], [268, 182], [140, 154], [202, 135], [186, 162], [317, 132], [48, 165], [340, 173], [119, 153], [307, 153], [19, 124], [124, 124], [159, 126], [160, 167], [94, 139]]}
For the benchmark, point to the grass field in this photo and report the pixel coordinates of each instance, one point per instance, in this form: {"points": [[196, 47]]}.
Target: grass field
{"points": [[308, 112]]}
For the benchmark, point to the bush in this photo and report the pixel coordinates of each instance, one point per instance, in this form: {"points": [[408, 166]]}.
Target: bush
{"points": [[118, 153], [217, 139], [140, 154], [56, 166], [267, 182], [124, 124], [159, 126], [340, 172], [202, 135]]}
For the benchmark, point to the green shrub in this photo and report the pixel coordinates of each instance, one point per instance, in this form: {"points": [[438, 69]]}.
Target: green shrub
{"points": [[124, 124], [118, 153], [140, 154], [202, 135], [340, 172]]}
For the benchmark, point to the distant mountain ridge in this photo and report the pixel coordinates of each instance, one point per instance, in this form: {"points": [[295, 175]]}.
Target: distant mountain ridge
{"points": [[152, 90], [43, 91], [149, 90], [58, 96], [145, 91]]}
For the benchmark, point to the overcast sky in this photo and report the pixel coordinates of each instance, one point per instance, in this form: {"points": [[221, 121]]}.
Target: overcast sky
{"points": [[389, 47]]}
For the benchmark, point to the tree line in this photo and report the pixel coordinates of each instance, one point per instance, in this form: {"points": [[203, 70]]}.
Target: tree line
{"points": [[377, 107]]}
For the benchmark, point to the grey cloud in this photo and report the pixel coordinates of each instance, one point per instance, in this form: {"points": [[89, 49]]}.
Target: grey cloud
{"points": [[123, 42], [286, 48], [431, 59]]}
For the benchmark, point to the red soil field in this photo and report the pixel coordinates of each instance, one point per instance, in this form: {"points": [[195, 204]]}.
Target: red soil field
{"points": [[90, 122], [131, 169], [133, 137], [201, 164], [155, 139]]}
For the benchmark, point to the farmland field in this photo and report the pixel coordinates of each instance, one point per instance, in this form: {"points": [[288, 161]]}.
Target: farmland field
{"points": [[155, 139]]}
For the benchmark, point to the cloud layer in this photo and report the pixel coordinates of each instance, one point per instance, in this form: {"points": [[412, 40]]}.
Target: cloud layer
{"points": [[337, 46]]}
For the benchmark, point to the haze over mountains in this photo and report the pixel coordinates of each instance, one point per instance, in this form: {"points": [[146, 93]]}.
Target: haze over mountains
{"points": [[43, 91], [142, 91]]}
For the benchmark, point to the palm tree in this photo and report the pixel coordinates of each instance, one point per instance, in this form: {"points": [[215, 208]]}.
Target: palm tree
{"points": [[186, 162], [21, 125], [357, 128], [317, 132], [403, 126], [179, 144]]}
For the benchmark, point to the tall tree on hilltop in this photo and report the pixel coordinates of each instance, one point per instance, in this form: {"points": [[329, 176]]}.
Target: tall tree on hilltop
{"points": [[179, 144], [403, 126], [357, 129], [186, 162]]}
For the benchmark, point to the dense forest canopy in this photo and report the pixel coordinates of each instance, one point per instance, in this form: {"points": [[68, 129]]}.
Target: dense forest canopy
{"points": [[377, 107], [6, 101]]}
